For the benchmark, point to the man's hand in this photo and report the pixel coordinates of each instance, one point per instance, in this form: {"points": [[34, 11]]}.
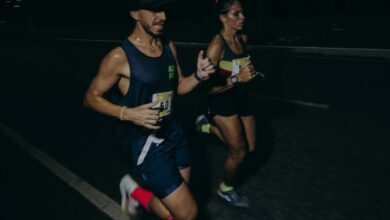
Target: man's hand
{"points": [[143, 116], [204, 67]]}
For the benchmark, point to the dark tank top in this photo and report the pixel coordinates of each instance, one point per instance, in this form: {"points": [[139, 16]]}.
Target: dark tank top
{"points": [[151, 79], [228, 66]]}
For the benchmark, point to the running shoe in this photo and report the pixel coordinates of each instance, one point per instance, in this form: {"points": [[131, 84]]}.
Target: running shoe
{"points": [[128, 204], [200, 121], [234, 199]]}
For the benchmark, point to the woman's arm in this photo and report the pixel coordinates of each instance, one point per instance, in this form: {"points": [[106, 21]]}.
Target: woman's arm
{"points": [[215, 54]]}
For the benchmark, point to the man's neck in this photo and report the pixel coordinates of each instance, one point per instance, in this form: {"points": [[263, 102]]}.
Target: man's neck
{"points": [[148, 44], [140, 37]]}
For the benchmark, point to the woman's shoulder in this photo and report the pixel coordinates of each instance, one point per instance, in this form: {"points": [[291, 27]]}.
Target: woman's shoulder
{"points": [[215, 48], [216, 41]]}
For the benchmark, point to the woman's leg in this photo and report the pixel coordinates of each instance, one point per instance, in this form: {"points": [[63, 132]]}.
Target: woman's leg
{"points": [[231, 131], [214, 130], [203, 125], [249, 124]]}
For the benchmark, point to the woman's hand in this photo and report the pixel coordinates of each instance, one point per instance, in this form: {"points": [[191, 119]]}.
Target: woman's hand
{"points": [[247, 73]]}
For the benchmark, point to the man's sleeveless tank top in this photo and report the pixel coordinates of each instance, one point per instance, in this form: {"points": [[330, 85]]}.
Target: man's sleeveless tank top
{"points": [[151, 79]]}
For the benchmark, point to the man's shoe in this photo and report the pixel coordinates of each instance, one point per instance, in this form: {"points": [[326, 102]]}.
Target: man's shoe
{"points": [[200, 121], [234, 199], [128, 204]]}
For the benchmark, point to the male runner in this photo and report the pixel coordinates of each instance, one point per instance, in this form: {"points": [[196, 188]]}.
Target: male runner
{"points": [[146, 72]]}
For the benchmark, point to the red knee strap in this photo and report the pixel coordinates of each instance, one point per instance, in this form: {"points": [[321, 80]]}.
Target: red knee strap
{"points": [[142, 196]]}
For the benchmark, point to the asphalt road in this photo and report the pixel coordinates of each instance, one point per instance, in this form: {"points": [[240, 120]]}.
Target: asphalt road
{"points": [[314, 163]]}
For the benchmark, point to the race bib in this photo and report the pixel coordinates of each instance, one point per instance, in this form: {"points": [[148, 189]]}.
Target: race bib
{"points": [[164, 102], [237, 63]]}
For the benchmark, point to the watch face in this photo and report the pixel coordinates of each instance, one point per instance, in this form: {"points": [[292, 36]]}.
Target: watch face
{"points": [[234, 80]]}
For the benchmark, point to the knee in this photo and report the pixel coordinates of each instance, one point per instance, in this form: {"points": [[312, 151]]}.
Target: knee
{"points": [[193, 213], [238, 154]]}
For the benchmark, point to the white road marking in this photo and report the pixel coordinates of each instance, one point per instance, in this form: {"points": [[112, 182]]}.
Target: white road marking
{"points": [[100, 200]]}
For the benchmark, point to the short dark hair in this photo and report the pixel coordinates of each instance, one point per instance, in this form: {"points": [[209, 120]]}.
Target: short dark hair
{"points": [[153, 5]]}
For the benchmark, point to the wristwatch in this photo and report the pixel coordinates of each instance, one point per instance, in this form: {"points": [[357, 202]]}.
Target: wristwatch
{"points": [[234, 80]]}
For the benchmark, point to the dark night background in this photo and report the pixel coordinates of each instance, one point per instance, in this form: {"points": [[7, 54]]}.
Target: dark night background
{"points": [[341, 23], [322, 111], [89, 11]]}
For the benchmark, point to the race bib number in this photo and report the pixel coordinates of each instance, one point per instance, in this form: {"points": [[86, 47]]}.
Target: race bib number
{"points": [[237, 63], [164, 102]]}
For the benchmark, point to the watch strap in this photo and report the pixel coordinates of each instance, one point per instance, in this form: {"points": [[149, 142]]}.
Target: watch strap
{"points": [[234, 80]]}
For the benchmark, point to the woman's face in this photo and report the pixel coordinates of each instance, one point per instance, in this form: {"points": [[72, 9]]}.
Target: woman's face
{"points": [[234, 18]]}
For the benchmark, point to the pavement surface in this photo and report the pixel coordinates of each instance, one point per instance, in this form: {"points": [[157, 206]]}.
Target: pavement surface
{"points": [[314, 163]]}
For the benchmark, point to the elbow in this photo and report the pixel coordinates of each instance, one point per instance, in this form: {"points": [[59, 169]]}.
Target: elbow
{"points": [[180, 92], [182, 87], [85, 103], [87, 100]]}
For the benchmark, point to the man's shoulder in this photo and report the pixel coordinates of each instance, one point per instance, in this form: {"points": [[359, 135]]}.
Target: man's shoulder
{"points": [[117, 52], [117, 55]]}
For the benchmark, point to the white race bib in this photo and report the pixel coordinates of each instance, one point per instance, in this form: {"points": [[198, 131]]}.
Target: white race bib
{"points": [[164, 102], [237, 63]]}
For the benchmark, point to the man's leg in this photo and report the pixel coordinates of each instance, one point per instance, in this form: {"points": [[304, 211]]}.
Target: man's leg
{"points": [[131, 191], [181, 204], [185, 173], [155, 204]]}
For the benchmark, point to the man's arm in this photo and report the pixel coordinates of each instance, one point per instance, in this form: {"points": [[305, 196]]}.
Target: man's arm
{"points": [[108, 75], [187, 84], [112, 68]]}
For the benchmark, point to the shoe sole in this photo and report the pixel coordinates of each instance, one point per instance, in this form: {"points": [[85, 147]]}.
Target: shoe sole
{"points": [[199, 118], [124, 201], [126, 207], [221, 197]]}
